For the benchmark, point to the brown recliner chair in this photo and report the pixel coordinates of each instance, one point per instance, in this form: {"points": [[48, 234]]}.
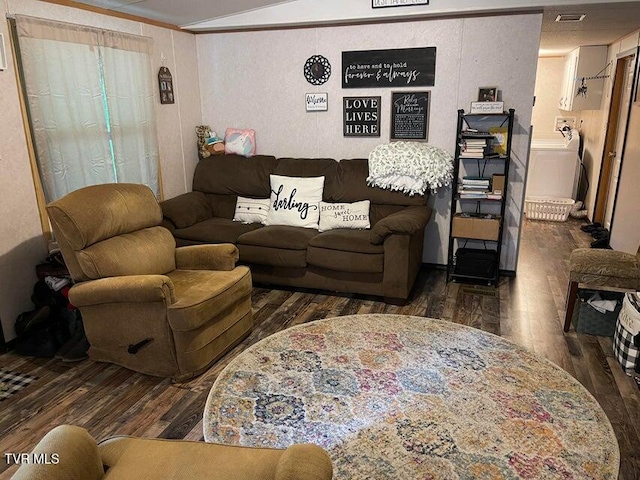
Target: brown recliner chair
{"points": [[147, 305], [72, 454]]}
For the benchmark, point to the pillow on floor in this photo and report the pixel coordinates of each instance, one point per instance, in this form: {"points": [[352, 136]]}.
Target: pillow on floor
{"points": [[295, 201], [344, 215], [251, 210]]}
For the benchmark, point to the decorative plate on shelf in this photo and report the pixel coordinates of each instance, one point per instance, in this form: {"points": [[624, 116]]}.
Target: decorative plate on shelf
{"points": [[317, 70]]}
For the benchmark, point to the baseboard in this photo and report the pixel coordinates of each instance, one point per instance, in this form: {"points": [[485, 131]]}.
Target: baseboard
{"points": [[434, 266], [438, 266]]}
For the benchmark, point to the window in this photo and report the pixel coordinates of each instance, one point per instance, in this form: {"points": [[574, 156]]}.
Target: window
{"points": [[90, 103]]}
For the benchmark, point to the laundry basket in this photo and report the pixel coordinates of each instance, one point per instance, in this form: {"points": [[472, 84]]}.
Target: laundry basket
{"points": [[548, 208]]}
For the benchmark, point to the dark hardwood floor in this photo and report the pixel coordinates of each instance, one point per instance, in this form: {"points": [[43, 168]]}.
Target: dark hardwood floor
{"points": [[527, 309]]}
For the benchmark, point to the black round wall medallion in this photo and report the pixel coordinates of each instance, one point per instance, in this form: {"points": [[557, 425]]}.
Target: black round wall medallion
{"points": [[317, 70]]}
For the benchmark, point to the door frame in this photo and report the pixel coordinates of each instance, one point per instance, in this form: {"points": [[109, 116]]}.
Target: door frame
{"points": [[606, 164]]}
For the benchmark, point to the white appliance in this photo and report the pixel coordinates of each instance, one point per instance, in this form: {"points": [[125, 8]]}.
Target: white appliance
{"points": [[554, 165]]}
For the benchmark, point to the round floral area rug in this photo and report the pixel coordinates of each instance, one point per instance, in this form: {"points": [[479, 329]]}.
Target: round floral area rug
{"points": [[400, 397]]}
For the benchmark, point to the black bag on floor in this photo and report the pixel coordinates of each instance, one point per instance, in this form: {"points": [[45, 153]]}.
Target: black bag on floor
{"points": [[41, 332], [36, 334]]}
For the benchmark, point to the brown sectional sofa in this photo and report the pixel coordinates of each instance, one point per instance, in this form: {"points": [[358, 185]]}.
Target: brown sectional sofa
{"points": [[383, 260]]}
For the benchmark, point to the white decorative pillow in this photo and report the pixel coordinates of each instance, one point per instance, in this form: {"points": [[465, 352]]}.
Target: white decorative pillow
{"points": [[251, 210], [295, 201], [344, 215]]}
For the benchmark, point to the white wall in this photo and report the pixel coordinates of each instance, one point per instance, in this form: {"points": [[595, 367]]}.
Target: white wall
{"points": [[22, 244], [255, 80], [549, 78]]}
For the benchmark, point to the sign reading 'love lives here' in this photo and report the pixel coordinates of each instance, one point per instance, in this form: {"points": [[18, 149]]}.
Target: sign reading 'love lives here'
{"points": [[400, 67], [361, 116]]}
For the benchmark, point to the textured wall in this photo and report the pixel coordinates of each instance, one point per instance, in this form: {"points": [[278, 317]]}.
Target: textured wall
{"points": [[22, 244], [255, 80], [549, 77]]}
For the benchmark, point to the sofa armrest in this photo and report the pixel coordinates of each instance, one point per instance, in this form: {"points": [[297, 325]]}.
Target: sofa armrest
{"points": [[126, 289], [222, 256], [408, 220], [168, 224], [304, 461], [72, 454], [186, 209]]}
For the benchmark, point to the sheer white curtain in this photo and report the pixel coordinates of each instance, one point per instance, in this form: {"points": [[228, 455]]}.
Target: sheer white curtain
{"points": [[90, 99], [126, 63]]}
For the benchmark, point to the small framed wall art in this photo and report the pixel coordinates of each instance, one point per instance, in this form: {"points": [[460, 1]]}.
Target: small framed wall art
{"points": [[316, 102], [317, 70], [488, 94], [165, 84]]}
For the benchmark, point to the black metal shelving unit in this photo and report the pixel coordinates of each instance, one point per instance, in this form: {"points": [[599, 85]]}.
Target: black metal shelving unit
{"points": [[479, 263]]}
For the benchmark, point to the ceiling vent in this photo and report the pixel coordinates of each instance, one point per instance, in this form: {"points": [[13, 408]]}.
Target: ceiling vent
{"points": [[570, 17]]}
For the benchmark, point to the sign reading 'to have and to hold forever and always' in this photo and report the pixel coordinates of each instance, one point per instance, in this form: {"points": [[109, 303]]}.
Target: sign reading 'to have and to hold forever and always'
{"points": [[400, 67]]}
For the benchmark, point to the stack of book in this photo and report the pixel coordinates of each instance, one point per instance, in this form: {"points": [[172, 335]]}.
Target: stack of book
{"points": [[474, 187], [473, 147]]}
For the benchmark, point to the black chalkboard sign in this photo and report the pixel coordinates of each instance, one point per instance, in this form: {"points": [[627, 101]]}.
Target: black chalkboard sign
{"points": [[409, 115], [401, 67], [361, 116]]}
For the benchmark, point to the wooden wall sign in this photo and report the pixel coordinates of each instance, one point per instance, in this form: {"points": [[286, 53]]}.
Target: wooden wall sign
{"points": [[400, 67], [409, 115], [361, 116], [165, 83]]}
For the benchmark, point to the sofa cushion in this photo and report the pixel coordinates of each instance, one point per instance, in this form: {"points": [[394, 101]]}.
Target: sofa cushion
{"points": [[276, 245], [186, 210], [216, 230], [234, 175], [342, 261], [346, 241], [223, 206], [275, 257], [378, 212], [279, 236], [308, 167], [346, 251]]}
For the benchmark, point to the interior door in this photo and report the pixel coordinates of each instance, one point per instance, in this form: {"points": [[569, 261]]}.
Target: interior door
{"points": [[616, 154], [625, 225]]}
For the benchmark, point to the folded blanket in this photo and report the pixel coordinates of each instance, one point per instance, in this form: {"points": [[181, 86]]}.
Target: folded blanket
{"points": [[410, 167]]}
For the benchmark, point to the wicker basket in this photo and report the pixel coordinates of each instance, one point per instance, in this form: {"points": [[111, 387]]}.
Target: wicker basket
{"points": [[548, 208]]}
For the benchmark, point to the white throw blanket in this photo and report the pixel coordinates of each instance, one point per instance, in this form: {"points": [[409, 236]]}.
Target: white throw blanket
{"points": [[410, 167]]}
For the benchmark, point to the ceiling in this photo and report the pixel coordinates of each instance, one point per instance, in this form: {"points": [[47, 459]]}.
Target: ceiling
{"points": [[605, 21]]}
